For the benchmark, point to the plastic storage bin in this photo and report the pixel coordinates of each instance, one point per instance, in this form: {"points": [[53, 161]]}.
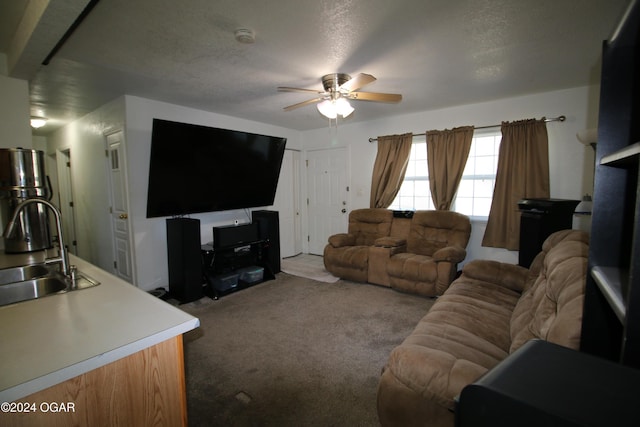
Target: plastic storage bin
{"points": [[224, 282], [251, 274]]}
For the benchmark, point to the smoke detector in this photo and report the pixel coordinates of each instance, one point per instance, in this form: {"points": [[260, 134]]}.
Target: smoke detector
{"points": [[244, 35]]}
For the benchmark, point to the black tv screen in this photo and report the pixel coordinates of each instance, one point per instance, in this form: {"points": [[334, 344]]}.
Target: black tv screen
{"points": [[196, 169]]}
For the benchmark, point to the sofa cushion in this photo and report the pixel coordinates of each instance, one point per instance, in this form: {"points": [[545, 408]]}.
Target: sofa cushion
{"points": [[462, 336], [433, 230], [348, 262], [390, 242], [367, 225], [400, 227], [551, 309], [412, 267]]}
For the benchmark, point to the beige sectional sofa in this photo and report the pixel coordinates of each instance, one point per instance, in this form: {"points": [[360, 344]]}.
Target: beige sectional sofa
{"points": [[415, 252], [487, 313]]}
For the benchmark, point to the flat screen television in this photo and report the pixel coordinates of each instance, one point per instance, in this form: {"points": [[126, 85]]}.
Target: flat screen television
{"points": [[194, 169]]}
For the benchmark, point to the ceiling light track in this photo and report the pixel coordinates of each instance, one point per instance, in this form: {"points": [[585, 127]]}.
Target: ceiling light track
{"points": [[85, 12]]}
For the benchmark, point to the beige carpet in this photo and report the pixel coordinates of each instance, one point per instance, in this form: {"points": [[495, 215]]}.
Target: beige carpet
{"points": [[294, 352], [309, 266]]}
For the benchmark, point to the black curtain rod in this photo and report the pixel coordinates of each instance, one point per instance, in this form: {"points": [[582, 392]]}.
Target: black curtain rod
{"points": [[552, 119]]}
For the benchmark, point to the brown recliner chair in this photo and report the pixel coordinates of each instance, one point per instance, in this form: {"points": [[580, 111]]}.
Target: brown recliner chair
{"points": [[416, 253], [347, 254], [436, 243]]}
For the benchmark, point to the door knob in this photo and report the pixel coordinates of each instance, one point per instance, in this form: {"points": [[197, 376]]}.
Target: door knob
{"points": [[124, 216]]}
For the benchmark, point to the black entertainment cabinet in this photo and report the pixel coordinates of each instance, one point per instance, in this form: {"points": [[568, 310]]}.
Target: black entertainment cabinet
{"points": [[235, 267], [239, 256], [539, 218]]}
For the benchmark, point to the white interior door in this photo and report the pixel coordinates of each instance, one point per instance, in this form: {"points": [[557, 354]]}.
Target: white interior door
{"points": [[123, 260], [327, 180], [287, 203]]}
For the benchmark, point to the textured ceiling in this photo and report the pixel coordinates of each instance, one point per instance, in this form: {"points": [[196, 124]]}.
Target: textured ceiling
{"points": [[436, 53]]}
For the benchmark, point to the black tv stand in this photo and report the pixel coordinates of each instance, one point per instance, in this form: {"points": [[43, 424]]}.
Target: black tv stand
{"points": [[192, 266], [222, 266]]}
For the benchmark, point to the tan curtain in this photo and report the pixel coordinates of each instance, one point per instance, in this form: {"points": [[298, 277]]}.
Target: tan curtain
{"points": [[523, 172], [389, 168], [447, 153]]}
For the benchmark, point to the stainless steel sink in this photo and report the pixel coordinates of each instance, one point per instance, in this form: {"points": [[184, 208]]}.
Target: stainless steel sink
{"points": [[36, 281], [22, 273], [31, 289]]}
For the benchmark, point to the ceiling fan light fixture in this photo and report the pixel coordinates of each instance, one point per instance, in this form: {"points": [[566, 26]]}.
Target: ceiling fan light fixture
{"points": [[328, 109], [339, 88], [332, 108], [343, 107]]}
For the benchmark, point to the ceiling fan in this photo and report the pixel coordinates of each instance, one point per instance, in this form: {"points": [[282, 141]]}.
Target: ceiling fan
{"points": [[338, 89]]}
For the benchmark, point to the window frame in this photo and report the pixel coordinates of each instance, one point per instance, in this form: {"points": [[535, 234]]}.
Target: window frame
{"points": [[473, 155]]}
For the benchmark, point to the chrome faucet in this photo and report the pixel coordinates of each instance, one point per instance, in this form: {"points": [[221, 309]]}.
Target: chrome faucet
{"points": [[63, 256]]}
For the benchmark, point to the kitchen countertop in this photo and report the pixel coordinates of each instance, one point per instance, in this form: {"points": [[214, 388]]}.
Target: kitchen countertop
{"points": [[49, 340]]}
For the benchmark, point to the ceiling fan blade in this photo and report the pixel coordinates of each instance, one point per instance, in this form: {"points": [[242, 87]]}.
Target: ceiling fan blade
{"points": [[357, 82], [297, 89], [302, 104], [373, 96]]}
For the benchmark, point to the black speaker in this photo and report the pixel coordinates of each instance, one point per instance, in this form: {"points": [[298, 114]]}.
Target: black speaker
{"points": [[233, 235], [540, 218], [269, 229], [185, 260]]}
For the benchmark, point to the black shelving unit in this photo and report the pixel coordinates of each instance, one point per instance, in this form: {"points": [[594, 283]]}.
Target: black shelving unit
{"points": [[611, 319], [227, 261]]}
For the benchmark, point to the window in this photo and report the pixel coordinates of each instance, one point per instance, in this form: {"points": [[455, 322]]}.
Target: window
{"points": [[476, 186], [479, 177], [414, 193]]}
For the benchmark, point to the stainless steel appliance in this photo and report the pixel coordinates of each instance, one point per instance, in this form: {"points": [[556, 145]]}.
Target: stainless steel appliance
{"points": [[22, 177]]}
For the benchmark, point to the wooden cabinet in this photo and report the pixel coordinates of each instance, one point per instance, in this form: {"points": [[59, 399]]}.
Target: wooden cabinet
{"points": [[146, 388], [611, 321]]}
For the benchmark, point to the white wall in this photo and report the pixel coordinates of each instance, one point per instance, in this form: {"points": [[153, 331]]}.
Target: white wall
{"points": [[150, 234], [85, 140], [571, 163]]}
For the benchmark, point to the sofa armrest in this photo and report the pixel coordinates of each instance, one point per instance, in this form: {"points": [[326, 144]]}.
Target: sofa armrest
{"points": [[342, 239], [453, 254], [427, 379], [390, 242], [510, 276], [379, 256]]}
